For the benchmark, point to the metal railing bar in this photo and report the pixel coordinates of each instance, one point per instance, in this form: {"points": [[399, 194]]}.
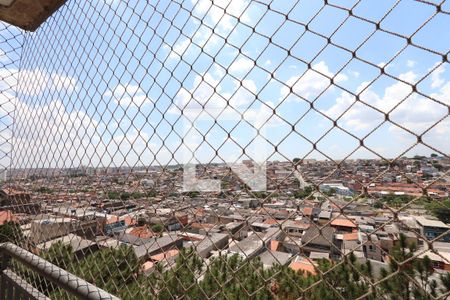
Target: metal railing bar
{"points": [[22, 286], [69, 282]]}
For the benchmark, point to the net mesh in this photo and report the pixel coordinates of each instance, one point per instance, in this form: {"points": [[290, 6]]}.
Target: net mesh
{"points": [[231, 149]]}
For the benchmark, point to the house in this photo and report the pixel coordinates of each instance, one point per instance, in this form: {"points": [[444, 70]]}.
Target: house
{"points": [[371, 247], [236, 230], [176, 222], [256, 243], [165, 255], [295, 228], [324, 217], [269, 258], [132, 239], [343, 225], [319, 256], [314, 240], [440, 260], [143, 232], [201, 228], [311, 213], [114, 226], [249, 247], [47, 227], [80, 246], [211, 242], [158, 245], [107, 242], [431, 229], [18, 202], [259, 226], [338, 188]]}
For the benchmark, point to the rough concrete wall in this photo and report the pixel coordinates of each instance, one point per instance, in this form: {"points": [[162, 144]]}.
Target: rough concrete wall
{"points": [[29, 14]]}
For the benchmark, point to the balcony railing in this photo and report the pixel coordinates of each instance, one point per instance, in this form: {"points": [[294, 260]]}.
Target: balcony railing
{"points": [[13, 286]]}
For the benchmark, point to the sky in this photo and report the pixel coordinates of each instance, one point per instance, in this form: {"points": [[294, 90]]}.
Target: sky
{"points": [[128, 83]]}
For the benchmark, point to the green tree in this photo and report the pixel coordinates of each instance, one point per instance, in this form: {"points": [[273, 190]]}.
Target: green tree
{"points": [[424, 270], [11, 232], [440, 209], [44, 190], [330, 192], [110, 269], [136, 195], [378, 204], [125, 196], [60, 255], [445, 284], [247, 278], [306, 192], [158, 228], [113, 195], [152, 193], [399, 286], [192, 194]]}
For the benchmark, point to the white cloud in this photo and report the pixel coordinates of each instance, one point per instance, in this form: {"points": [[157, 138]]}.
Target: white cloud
{"points": [[32, 125], [63, 139], [220, 15], [242, 65], [436, 79], [128, 95], [263, 116], [34, 82], [73, 138], [411, 63], [7, 84], [249, 85], [179, 47], [409, 76], [225, 9], [355, 74], [313, 82], [416, 113], [207, 93], [443, 94]]}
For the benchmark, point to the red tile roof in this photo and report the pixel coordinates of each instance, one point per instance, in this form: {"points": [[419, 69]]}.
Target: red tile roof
{"points": [[274, 245], [7, 216], [142, 232], [350, 236], [206, 226], [307, 211], [164, 255], [343, 223], [129, 221], [270, 222], [303, 265]]}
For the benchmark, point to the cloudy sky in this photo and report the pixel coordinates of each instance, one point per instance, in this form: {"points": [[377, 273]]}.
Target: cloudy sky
{"points": [[113, 83]]}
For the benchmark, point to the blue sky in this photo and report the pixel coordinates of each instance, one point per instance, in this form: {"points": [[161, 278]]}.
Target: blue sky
{"points": [[106, 82]]}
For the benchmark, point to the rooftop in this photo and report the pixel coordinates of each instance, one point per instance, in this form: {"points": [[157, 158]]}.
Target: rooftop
{"points": [[430, 223]]}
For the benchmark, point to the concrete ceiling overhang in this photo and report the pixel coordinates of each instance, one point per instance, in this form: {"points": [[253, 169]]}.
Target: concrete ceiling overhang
{"points": [[28, 14]]}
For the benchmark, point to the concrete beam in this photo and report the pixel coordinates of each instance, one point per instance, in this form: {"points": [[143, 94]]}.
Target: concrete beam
{"points": [[28, 14]]}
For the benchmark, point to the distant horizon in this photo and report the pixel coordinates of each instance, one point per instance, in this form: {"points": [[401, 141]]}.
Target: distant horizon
{"points": [[212, 163]]}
